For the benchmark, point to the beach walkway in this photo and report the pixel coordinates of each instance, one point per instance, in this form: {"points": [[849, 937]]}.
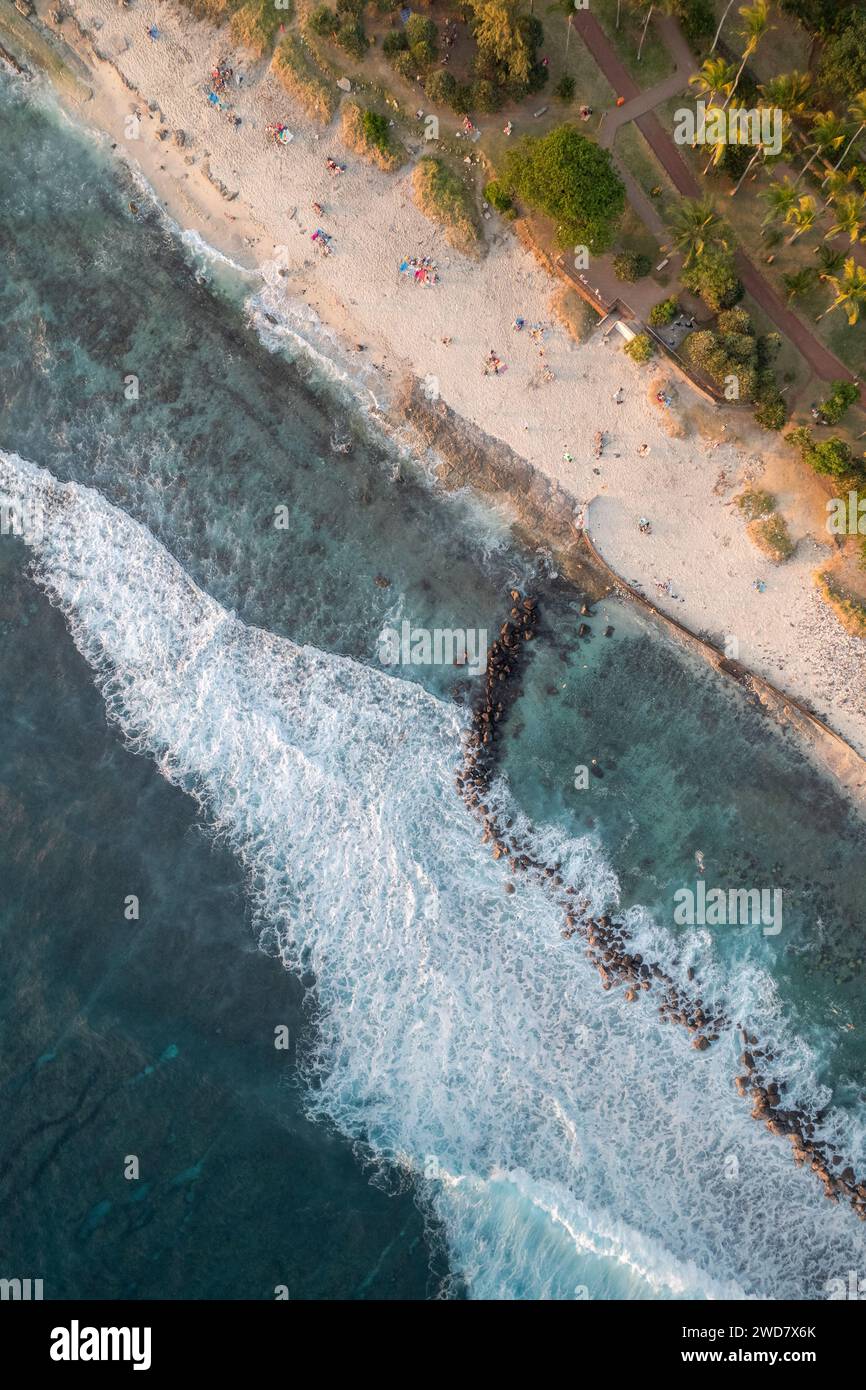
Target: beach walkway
{"points": [[640, 107]]}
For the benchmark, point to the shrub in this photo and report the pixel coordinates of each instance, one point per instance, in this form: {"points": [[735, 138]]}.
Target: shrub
{"points": [[420, 29], [631, 265], [698, 21], [323, 22], [295, 71], [443, 197], [394, 42], [831, 457], [498, 197], [640, 348], [842, 395], [842, 69], [664, 313], [573, 181], [755, 503], [564, 89], [485, 97], [849, 609], [771, 412], [766, 527], [351, 37], [423, 55], [376, 129], [440, 87], [714, 278], [368, 133], [257, 23]]}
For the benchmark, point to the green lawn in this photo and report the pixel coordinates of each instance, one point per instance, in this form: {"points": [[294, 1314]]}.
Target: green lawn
{"points": [[655, 63], [631, 147], [784, 48]]}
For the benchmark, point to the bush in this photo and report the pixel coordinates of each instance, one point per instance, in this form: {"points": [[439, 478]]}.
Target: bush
{"points": [[664, 313], [394, 42], [640, 348], [419, 29], [440, 87], [498, 197], [630, 266], [842, 69], [369, 134], [564, 89], [731, 356], [766, 527], [831, 457], [771, 412], [485, 97], [573, 181], [323, 22], [842, 395], [443, 197], [376, 129], [351, 37], [405, 65], [714, 278], [295, 70], [256, 25], [698, 21]]}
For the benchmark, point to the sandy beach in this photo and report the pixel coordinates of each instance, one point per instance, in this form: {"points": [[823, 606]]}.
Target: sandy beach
{"points": [[252, 200]]}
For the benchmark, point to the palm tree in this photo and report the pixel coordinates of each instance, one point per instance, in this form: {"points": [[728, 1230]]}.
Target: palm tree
{"points": [[758, 152], [756, 22], [789, 92], [839, 183], [827, 135], [857, 109], [716, 75], [830, 259], [721, 22], [697, 228], [780, 197], [850, 289], [719, 146], [850, 212], [799, 282], [803, 214], [666, 7]]}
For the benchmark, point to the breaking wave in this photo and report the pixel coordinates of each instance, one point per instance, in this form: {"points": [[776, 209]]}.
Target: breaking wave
{"points": [[570, 1144]]}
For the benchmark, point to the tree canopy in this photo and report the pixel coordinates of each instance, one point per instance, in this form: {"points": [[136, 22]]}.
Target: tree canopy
{"points": [[573, 181]]}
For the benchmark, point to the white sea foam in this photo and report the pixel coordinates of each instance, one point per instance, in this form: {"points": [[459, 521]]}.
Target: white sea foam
{"points": [[570, 1141]]}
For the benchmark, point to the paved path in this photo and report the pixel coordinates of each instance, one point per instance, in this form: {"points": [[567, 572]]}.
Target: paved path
{"points": [[822, 361]]}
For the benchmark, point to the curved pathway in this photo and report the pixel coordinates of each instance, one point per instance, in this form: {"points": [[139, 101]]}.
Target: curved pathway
{"points": [[823, 362]]}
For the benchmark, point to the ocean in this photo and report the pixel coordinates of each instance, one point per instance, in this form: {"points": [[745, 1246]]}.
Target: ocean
{"points": [[271, 1024]]}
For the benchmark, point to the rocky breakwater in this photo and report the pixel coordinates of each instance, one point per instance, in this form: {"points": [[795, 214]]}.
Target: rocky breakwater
{"points": [[607, 940]]}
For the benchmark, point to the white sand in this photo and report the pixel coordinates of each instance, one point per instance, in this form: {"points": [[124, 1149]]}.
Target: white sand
{"points": [[698, 538]]}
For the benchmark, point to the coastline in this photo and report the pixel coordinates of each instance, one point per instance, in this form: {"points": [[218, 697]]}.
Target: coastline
{"points": [[499, 435]]}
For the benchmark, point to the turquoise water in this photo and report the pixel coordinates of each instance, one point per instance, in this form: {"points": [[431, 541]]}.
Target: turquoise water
{"points": [[461, 1109]]}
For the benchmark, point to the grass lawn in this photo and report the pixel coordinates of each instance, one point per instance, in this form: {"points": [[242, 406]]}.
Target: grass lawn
{"points": [[784, 48], [638, 158], [655, 63]]}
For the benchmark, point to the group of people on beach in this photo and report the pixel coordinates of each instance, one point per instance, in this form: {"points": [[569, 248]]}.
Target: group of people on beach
{"points": [[494, 364], [422, 269]]}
